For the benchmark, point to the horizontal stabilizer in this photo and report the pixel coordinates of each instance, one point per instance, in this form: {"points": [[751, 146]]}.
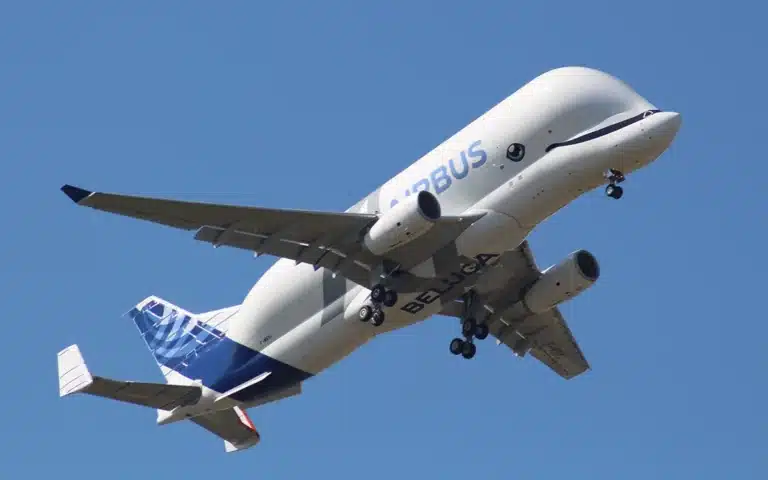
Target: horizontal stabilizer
{"points": [[74, 377], [233, 426]]}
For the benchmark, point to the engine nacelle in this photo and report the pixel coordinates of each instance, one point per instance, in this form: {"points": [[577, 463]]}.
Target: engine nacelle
{"points": [[562, 281], [403, 223]]}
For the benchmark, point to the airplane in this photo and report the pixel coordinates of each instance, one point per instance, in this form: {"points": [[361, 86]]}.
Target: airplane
{"points": [[446, 236]]}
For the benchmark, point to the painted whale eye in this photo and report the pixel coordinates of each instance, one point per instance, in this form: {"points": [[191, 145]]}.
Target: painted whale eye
{"points": [[515, 152]]}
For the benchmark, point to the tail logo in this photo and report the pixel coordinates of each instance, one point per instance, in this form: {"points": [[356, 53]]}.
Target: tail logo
{"points": [[173, 337]]}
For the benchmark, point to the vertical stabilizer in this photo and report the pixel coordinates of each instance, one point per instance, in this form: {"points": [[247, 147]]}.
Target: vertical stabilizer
{"points": [[175, 336]]}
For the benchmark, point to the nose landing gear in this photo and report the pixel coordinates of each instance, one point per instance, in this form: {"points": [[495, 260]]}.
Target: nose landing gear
{"points": [[613, 190]]}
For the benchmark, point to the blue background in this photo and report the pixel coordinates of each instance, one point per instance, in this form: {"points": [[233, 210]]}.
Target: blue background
{"points": [[302, 105]]}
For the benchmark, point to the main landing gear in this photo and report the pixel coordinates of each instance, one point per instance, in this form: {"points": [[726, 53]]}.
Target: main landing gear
{"points": [[613, 190], [470, 329], [374, 313]]}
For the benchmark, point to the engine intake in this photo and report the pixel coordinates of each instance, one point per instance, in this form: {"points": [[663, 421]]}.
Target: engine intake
{"points": [[562, 281], [403, 223]]}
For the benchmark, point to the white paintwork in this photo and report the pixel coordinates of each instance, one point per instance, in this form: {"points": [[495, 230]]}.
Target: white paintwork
{"points": [[289, 316], [74, 375], [556, 106], [400, 225], [557, 284]]}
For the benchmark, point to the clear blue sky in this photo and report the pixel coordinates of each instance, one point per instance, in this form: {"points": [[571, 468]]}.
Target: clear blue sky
{"points": [[293, 104]]}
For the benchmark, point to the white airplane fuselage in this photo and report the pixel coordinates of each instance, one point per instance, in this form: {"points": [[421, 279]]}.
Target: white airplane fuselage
{"points": [[518, 163]]}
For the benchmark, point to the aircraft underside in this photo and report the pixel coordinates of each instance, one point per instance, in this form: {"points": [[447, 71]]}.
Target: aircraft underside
{"points": [[446, 236]]}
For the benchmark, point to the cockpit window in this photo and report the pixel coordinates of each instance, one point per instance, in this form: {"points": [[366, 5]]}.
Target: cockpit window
{"points": [[603, 131], [516, 152]]}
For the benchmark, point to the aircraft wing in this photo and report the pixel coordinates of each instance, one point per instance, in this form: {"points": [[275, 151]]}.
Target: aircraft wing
{"points": [[545, 336], [233, 426], [550, 341], [323, 239]]}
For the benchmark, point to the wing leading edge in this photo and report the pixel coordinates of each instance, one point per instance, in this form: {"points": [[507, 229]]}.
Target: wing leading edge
{"points": [[324, 239]]}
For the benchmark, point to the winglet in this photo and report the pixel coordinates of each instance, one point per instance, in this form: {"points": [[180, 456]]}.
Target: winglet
{"points": [[77, 194], [73, 373]]}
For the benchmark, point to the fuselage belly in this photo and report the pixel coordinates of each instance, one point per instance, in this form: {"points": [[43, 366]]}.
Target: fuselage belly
{"points": [[519, 163]]}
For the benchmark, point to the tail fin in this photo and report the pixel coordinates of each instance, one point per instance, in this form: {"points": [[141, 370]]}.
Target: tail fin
{"points": [[175, 336]]}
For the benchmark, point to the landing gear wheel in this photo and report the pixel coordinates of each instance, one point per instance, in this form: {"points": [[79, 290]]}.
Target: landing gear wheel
{"points": [[457, 346], [468, 350], [468, 327], [365, 313], [390, 298], [377, 293], [481, 331], [614, 191], [377, 318]]}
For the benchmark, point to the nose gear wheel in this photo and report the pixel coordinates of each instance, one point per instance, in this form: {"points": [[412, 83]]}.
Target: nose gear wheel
{"points": [[614, 191], [614, 177]]}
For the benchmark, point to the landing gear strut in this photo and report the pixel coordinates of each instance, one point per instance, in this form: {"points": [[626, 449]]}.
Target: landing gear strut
{"points": [[379, 296], [613, 190], [470, 329]]}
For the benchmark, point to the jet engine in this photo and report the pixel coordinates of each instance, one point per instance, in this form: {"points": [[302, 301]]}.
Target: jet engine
{"points": [[559, 283], [403, 223]]}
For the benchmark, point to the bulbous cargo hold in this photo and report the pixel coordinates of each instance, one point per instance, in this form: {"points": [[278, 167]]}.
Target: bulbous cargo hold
{"points": [[403, 223]]}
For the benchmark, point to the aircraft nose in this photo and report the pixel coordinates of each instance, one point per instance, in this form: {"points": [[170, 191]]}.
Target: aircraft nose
{"points": [[649, 140], [661, 132], [670, 124]]}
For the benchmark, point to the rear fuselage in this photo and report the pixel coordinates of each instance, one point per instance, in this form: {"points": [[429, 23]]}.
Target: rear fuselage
{"points": [[520, 162]]}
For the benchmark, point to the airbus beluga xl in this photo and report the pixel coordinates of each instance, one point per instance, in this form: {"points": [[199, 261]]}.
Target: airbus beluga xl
{"points": [[445, 236]]}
